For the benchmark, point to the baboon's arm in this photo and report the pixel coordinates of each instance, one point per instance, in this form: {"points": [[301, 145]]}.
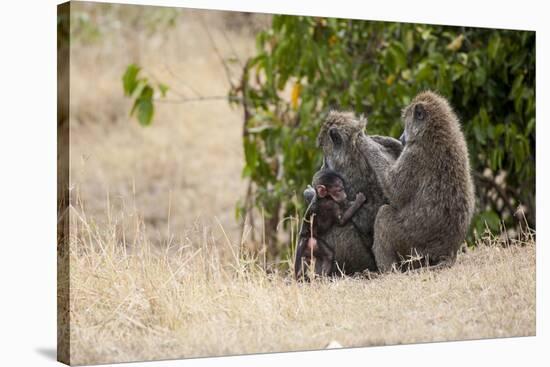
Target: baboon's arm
{"points": [[355, 205], [309, 194], [390, 145], [378, 160], [402, 180], [396, 177], [312, 208]]}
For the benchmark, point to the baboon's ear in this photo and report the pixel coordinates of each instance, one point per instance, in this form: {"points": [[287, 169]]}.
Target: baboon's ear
{"points": [[419, 112], [321, 191]]}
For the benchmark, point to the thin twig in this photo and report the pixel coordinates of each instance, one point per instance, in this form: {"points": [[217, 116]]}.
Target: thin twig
{"points": [[500, 191], [173, 74], [244, 92], [197, 99], [175, 91], [235, 54], [217, 51]]}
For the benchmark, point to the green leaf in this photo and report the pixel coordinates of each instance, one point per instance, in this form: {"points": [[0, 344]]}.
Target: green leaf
{"points": [[491, 219], [163, 89], [145, 112], [480, 76], [484, 116], [409, 41], [129, 79], [516, 85], [399, 55], [246, 172], [144, 106], [147, 93], [258, 129], [424, 73], [494, 45], [479, 134], [138, 89], [458, 70]]}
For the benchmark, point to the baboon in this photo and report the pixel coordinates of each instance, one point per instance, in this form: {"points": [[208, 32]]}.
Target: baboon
{"points": [[429, 187], [329, 206], [340, 139]]}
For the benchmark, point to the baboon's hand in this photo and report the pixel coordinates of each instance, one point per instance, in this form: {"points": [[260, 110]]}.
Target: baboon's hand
{"points": [[360, 197], [309, 194]]}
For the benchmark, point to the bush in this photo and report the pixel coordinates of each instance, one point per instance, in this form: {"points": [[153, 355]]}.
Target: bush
{"points": [[306, 65]]}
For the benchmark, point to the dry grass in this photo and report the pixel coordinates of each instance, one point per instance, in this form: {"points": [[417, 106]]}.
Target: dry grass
{"points": [[187, 165], [202, 297], [156, 266]]}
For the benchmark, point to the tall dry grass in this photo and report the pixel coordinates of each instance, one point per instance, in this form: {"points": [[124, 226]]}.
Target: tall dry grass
{"points": [[199, 296]]}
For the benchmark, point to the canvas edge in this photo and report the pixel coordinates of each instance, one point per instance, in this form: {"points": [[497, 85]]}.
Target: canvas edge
{"points": [[63, 204]]}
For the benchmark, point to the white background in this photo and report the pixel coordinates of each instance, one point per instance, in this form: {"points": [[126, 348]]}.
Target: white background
{"points": [[28, 181]]}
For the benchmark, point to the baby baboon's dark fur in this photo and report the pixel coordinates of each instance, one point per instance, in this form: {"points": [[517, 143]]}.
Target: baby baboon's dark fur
{"points": [[429, 187], [340, 139], [329, 206]]}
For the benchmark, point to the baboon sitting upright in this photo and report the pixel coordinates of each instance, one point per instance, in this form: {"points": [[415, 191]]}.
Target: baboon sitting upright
{"points": [[340, 139], [429, 187]]}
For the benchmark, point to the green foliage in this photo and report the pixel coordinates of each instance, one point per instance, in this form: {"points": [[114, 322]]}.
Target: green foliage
{"points": [[306, 65], [142, 92]]}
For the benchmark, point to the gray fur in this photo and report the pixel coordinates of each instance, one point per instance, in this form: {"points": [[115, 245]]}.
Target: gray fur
{"points": [[429, 187], [352, 243]]}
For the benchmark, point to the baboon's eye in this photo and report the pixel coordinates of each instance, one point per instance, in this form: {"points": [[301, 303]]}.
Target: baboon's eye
{"points": [[419, 112], [335, 137]]}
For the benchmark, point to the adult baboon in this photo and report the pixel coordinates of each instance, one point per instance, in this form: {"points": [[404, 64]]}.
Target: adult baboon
{"points": [[429, 187], [340, 139]]}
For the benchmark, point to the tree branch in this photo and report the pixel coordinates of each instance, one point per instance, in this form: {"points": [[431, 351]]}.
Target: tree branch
{"points": [[173, 74], [195, 99], [217, 51], [489, 182]]}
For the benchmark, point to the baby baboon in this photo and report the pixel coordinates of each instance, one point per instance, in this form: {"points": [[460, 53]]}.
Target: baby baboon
{"points": [[429, 187], [329, 206]]}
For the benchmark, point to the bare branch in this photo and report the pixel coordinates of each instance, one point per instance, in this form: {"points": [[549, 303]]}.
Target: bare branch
{"points": [[180, 79], [217, 51], [235, 54], [197, 99], [490, 183], [244, 91]]}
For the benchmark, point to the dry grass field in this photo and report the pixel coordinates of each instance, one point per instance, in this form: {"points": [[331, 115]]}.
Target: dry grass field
{"points": [[203, 297], [158, 267]]}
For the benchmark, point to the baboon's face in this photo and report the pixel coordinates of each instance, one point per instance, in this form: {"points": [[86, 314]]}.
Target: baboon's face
{"points": [[335, 145], [333, 190], [337, 140], [414, 117]]}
